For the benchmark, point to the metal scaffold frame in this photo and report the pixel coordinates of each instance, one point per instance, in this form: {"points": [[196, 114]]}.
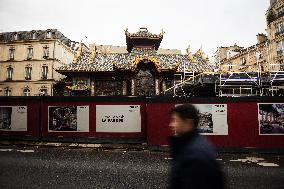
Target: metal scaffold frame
{"points": [[240, 83]]}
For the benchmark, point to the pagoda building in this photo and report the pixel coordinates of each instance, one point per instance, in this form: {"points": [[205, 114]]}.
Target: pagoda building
{"points": [[139, 69]]}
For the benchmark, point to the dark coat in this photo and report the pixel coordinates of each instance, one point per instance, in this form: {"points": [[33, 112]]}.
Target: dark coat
{"points": [[194, 163]]}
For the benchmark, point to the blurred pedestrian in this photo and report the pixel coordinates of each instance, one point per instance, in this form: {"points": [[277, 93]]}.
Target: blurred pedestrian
{"points": [[194, 162]]}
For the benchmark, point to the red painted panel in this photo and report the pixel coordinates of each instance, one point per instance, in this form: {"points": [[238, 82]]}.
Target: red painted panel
{"points": [[243, 128], [33, 118], [158, 119]]}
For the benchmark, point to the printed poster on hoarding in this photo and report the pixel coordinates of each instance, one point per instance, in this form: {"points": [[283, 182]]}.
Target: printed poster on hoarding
{"points": [[271, 118], [68, 118], [212, 119], [118, 118], [13, 118]]}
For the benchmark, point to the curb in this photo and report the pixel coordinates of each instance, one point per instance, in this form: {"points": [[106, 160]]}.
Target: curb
{"points": [[131, 147]]}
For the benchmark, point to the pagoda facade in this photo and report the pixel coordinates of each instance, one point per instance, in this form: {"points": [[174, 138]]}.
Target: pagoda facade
{"points": [[139, 69]]}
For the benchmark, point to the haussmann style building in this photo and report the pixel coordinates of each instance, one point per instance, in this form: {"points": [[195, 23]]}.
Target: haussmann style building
{"points": [[29, 59]]}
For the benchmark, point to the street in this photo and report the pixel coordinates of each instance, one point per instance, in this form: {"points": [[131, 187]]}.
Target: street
{"points": [[34, 167]]}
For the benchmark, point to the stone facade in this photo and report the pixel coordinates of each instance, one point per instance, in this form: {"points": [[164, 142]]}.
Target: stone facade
{"points": [[28, 60], [266, 55]]}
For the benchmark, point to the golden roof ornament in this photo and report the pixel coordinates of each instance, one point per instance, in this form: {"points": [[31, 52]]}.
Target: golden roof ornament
{"points": [[93, 52], [162, 32], [78, 53]]}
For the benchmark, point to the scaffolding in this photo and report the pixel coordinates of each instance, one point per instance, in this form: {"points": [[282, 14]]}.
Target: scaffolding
{"points": [[276, 79], [234, 83]]}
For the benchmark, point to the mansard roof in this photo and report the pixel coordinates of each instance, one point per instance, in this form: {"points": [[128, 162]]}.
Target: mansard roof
{"points": [[33, 35]]}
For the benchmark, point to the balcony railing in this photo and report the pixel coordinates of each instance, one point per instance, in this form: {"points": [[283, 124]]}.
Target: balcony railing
{"points": [[272, 17], [279, 32], [280, 53]]}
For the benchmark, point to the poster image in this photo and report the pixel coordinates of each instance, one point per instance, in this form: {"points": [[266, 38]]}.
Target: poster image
{"points": [[271, 118], [118, 118], [13, 118], [68, 118], [212, 119]]}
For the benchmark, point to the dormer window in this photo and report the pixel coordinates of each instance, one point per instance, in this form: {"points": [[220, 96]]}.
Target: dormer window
{"points": [[15, 36], [48, 34], [30, 53], [45, 52], [33, 35]]}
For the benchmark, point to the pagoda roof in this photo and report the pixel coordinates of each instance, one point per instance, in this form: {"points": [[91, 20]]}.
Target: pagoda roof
{"points": [[143, 33], [143, 38], [109, 62]]}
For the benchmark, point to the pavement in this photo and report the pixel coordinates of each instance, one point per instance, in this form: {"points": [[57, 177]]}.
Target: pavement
{"points": [[96, 167]]}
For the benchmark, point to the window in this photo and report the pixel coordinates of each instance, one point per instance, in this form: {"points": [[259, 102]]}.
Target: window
{"points": [[9, 73], [45, 52], [12, 53], [230, 66], [281, 65], [43, 92], [30, 53], [44, 72], [33, 35], [258, 55], [28, 73], [280, 47], [279, 28], [15, 36], [27, 92], [280, 11], [243, 61], [8, 92], [48, 34]]}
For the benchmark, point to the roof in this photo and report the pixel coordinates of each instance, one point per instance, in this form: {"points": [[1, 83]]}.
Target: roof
{"points": [[38, 34], [108, 62], [144, 33], [143, 38]]}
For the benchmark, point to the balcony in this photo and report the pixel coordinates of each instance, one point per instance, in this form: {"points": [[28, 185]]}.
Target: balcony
{"points": [[272, 17], [280, 14], [280, 53], [46, 57], [43, 78], [279, 32]]}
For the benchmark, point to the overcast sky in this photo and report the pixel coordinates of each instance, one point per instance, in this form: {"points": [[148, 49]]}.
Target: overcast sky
{"points": [[206, 23]]}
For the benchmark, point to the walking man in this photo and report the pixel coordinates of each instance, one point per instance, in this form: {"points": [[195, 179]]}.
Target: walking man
{"points": [[194, 164]]}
